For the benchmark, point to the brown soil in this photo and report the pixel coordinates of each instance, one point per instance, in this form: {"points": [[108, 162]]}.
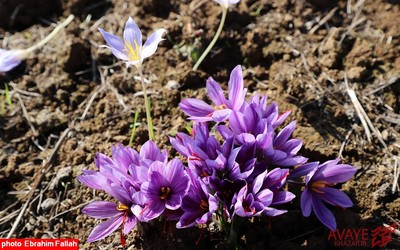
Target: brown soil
{"points": [[72, 86]]}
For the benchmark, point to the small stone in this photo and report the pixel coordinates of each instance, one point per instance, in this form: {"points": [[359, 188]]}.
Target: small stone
{"points": [[48, 204], [61, 174], [172, 84]]}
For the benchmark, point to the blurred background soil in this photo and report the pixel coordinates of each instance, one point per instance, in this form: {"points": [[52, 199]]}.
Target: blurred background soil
{"points": [[72, 99]]}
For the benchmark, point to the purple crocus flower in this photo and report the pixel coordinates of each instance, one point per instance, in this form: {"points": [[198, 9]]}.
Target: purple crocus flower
{"points": [[112, 178], [165, 189], [200, 111], [120, 176], [10, 59], [130, 49], [198, 205], [245, 204], [318, 190]]}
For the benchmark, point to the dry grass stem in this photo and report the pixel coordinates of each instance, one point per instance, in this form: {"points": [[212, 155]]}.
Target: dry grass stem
{"points": [[362, 115], [323, 20]]}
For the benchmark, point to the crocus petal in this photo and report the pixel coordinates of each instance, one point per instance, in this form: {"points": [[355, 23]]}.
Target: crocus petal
{"points": [[237, 123], [306, 203], [10, 59], [221, 115], [269, 211], [150, 47], [129, 224], [303, 170], [336, 197], [292, 161], [281, 197], [196, 107], [105, 228], [284, 134], [173, 202], [132, 34], [116, 45], [215, 93], [281, 118], [124, 157], [151, 151], [236, 91], [225, 131], [101, 209], [323, 213], [152, 211], [93, 179], [336, 173]]}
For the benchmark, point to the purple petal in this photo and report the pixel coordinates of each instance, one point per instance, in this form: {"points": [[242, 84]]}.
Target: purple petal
{"points": [[306, 203], [132, 34], [151, 151], [265, 197], [269, 211], [336, 173], [281, 197], [196, 107], [323, 213], [292, 161], [236, 91], [93, 179], [105, 228], [336, 197], [215, 93], [221, 115], [237, 123], [101, 209], [124, 157], [150, 47], [245, 138], [173, 202], [130, 223], [259, 181], [116, 45], [152, 211], [281, 118], [178, 177], [284, 134], [225, 131], [303, 170]]}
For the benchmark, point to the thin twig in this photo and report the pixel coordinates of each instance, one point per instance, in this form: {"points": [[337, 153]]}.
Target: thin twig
{"points": [[362, 115], [26, 114], [396, 174], [344, 143], [323, 20], [89, 104]]}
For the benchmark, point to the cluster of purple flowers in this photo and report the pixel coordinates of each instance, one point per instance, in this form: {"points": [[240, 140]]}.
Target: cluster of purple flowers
{"points": [[243, 175]]}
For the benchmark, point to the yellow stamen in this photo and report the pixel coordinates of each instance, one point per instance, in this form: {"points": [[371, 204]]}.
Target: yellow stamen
{"points": [[315, 186], [220, 107], [122, 207], [133, 53]]}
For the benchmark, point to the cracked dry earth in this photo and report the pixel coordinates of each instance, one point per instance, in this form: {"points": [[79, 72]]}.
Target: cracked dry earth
{"points": [[71, 100]]}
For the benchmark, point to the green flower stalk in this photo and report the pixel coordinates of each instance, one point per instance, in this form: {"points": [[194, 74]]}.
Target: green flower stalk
{"points": [[224, 5]]}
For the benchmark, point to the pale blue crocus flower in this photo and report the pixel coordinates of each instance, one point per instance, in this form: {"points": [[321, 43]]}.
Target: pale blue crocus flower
{"points": [[130, 48]]}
